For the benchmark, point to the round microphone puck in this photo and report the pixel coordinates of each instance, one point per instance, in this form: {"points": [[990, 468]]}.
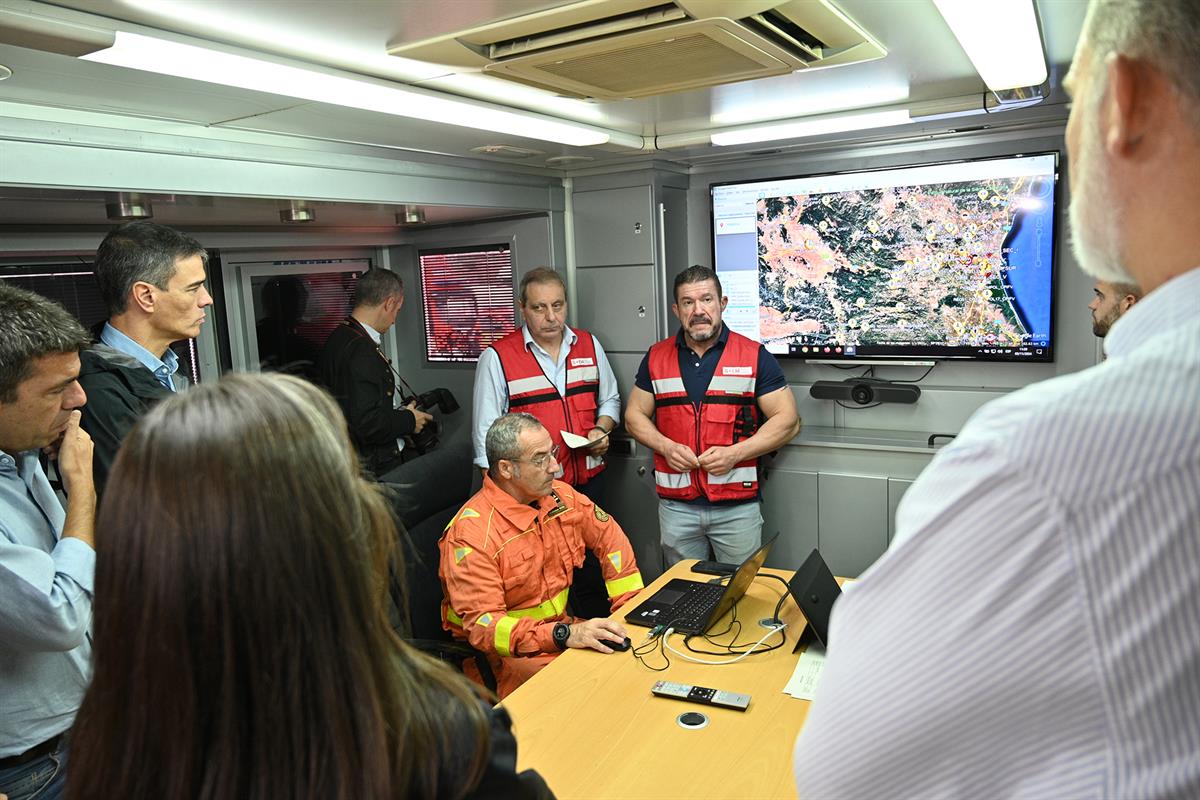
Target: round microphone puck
{"points": [[693, 720]]}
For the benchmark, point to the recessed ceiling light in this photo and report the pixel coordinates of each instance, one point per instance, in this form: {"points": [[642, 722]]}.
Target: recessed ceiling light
{"points": [[5, 73], [410, 215], [297, 213], [125, 206]]}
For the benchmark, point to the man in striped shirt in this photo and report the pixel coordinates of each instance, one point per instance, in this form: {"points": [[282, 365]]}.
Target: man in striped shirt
{"points": [[1034, 629]]}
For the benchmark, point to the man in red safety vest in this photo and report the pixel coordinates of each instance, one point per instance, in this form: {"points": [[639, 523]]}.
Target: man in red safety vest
{"points": [[709, 402], [562, 377]]}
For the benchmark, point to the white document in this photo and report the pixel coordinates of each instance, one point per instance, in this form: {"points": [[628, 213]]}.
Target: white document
{"points": [[575, 441], [807, 674]]}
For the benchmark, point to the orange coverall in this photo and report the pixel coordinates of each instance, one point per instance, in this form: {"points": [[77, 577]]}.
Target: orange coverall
{"points": [[506, 570]]}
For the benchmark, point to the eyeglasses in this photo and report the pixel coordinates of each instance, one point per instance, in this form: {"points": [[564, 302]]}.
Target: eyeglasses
{"points": [[540, 461]]}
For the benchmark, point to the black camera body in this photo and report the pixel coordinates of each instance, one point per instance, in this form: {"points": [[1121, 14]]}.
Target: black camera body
{"points": [[441, 399]]}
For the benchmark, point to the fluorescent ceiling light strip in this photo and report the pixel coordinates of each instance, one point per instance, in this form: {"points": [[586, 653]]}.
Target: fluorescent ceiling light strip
{"points": [[812, 127], [947, 108], [840, 98], [1001, 38], [214, 66]]}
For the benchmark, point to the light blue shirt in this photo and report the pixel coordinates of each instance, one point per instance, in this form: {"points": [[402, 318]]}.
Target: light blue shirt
{"points": [[45, 609], [491, 389], [163, 368], [1034, 628]]}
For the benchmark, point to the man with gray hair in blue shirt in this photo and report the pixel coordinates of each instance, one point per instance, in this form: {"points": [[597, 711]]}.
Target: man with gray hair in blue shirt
{"points": [[47, 554]]}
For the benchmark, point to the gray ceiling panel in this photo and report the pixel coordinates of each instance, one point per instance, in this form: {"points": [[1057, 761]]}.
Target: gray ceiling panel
{"points": [[924, 62]]}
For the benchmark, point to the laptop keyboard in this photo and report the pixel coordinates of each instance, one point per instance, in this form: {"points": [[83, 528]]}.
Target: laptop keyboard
{"points": [[692, 610]]}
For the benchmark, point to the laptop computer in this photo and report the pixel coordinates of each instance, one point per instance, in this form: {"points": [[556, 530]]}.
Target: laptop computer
{"points": [[815, 591], [692, 607]]}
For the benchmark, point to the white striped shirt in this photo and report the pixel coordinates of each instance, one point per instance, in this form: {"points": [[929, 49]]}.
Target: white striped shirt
{"points": [[1034, 630]]}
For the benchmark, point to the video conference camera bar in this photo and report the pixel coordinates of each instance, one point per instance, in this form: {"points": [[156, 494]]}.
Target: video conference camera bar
{"points": [[865, 391]]}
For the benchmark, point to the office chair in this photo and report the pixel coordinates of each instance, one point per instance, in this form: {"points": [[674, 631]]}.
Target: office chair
{"points": [[431, 482], [421, 616]]}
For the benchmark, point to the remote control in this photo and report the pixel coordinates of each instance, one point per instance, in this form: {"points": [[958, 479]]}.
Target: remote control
{"points": [[714, 568], [701, 695]]}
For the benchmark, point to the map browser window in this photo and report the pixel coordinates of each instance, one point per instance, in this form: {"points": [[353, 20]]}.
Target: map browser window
{"points": [[951, 260]]}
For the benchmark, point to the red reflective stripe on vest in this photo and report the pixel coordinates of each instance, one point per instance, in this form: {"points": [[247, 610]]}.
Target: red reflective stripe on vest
{"points": [[532, 392], [730, 388]]}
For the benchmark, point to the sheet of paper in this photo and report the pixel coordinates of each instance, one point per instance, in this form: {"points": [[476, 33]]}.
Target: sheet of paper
{"points": [[803, 684], [575, 441]]}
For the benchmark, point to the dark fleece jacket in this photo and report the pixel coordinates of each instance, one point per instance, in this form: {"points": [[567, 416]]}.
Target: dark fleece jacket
{"points": [[119, 391]]}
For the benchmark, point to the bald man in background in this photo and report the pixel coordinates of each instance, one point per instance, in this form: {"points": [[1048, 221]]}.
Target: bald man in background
{"points": [[1109, 302]]}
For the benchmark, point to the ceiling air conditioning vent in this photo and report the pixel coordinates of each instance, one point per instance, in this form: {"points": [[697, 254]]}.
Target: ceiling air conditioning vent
{"points": [[616, 49], [787, 33], [609, 26]]}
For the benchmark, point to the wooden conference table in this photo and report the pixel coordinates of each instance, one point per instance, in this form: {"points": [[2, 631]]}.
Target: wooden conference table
{"points": [[589, 724]]}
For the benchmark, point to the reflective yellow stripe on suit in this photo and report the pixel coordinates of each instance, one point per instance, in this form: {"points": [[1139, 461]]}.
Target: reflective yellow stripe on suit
{"points": [[504, 635], [551, 608], [630, 583]]}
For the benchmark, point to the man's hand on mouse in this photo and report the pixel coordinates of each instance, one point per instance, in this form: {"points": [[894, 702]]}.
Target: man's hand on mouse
{"points": [[596, 634]]}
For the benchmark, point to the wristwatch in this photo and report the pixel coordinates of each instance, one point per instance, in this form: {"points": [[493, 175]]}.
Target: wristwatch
{"points": [[562, 632]]}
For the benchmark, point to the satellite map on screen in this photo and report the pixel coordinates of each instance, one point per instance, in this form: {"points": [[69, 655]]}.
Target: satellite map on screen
{"points": [[962, 264]]}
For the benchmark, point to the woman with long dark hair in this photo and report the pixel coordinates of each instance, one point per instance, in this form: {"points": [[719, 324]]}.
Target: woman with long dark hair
{"points": [[241, 646]]}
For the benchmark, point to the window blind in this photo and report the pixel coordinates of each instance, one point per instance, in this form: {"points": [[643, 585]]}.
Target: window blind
{"points": [[468, 295]]}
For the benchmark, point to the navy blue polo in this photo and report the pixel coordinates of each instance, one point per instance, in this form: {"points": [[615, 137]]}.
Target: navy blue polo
{"points": [[697, 371]]}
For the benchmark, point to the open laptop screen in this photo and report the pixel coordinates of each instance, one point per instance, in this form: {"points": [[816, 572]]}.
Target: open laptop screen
{"points": [[741, 580]]}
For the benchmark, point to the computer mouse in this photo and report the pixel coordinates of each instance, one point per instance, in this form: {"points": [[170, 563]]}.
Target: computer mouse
{"points": [[621, 646]]}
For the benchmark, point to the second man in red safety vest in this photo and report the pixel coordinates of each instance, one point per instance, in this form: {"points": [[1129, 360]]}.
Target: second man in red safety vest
{"points": [[709, 402]]}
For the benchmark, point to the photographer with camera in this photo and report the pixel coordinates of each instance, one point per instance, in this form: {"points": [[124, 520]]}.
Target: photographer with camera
{"points": [[354, 368]]}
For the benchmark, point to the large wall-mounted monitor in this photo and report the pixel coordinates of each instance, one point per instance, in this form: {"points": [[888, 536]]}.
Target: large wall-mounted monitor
{"points": [[936, 261]]}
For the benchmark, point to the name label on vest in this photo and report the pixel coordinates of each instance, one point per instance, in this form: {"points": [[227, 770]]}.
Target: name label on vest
{"points": [[582, 362], [737, 370]]}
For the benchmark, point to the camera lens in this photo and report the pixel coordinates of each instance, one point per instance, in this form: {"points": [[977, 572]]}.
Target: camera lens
{"points": [[861, 394]]}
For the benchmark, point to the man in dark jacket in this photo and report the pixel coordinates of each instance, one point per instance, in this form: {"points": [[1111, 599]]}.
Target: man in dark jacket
{"points": [[151, 278], [354, 368]]}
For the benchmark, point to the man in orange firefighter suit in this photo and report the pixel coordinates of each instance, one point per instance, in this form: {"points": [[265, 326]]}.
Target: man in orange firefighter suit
{"points": [[560, 375], [508, 556]]}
